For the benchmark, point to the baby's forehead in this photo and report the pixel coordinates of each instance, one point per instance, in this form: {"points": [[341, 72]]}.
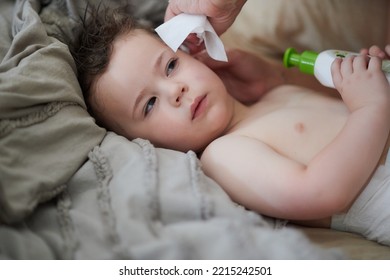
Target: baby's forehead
{"points": [[139, 31], [140, 40]]}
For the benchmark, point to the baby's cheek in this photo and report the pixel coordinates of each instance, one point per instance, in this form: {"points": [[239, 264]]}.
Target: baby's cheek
{"points": [[205, 75]]}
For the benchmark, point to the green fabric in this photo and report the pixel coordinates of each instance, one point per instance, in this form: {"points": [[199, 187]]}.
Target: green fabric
{"points": [[45, 130]]}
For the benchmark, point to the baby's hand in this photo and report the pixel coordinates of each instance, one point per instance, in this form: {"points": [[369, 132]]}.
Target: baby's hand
{"points": [[360, 81], [376, 51]]}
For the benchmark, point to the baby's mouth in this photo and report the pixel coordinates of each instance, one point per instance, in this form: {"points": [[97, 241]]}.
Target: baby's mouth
{"points": [[198, 106]]}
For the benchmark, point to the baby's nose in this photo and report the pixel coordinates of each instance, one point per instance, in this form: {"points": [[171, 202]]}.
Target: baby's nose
{"points": [[178, 93]]}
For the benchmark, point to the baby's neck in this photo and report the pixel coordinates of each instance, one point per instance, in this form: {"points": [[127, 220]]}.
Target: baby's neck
{"points": [[239, 113]]}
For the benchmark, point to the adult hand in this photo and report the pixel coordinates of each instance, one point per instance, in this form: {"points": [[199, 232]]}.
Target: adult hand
{"points": [[221, 14], [246, 76]]}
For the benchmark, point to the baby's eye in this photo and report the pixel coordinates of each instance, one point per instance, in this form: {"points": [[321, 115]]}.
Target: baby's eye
{"points": [[149, 105], [171, 66]]}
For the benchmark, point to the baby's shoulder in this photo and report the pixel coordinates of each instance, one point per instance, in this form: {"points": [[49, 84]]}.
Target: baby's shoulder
{"points": [[228, 146], [221, 146]]}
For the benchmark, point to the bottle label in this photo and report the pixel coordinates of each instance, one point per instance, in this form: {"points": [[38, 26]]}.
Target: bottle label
{"points": [[342, 54]]}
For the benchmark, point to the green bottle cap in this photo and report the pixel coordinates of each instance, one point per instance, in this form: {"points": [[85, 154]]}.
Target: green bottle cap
{"points": [[305, 61]]}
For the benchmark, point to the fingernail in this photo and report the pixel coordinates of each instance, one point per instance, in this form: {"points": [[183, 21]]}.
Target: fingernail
{"points": [[184, 49]]}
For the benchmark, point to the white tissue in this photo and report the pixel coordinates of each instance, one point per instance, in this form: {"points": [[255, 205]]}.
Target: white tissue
{"points": [[176, 30]]}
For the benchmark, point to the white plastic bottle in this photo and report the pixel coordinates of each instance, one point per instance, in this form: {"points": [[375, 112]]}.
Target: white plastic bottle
{"points": [[319, 64]]}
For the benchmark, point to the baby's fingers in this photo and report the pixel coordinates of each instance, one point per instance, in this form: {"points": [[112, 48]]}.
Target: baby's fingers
{"points": [[376, 51], [375, 64], [347, 65], [387, 50], [363, 52], [336, 72], [360, 62]]}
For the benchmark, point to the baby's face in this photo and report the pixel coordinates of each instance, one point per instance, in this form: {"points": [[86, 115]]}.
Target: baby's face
{"points": [[172, 99]]}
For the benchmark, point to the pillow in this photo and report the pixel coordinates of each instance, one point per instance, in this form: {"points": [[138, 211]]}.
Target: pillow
{"points": [[270, 27], [45, 130]]}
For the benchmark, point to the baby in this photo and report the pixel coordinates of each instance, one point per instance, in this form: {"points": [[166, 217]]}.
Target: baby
{"points": [[296, 154]]}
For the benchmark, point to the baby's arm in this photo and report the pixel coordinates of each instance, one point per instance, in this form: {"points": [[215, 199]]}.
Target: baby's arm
{"points": [[353, 155], [366, 92], [261, 179]]}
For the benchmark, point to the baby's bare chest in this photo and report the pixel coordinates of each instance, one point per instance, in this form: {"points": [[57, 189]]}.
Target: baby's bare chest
{"points": [[298, 130]]}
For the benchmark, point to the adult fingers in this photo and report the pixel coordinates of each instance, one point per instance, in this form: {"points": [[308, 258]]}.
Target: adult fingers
{"points": [[176, 7]]}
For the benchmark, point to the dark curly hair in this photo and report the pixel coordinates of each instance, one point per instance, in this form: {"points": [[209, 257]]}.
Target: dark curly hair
{"points": [[100, 27]]}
